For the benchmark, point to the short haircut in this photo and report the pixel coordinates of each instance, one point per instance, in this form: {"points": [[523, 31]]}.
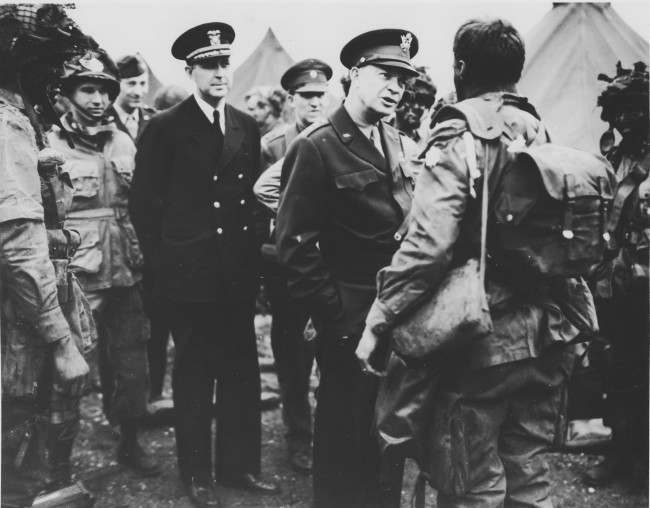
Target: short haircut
{"points": [[493, 51], [274, 97]]}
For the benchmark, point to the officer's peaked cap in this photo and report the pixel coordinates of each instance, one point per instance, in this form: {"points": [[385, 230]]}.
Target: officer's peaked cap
{"points": [[387, 47], [209, 40]]}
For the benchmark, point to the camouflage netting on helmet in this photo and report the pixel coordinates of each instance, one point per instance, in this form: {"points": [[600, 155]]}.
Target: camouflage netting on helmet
{"points": [[35, 41], [628, 87]]}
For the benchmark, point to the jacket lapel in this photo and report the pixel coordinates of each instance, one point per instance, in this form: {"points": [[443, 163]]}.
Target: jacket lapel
{"points": [[355, 140], [402, 192], [233, 138]]}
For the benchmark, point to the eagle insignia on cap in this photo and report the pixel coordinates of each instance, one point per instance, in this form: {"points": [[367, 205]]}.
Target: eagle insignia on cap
{"points": [[91, 63], [214, 36], [407, 38]]}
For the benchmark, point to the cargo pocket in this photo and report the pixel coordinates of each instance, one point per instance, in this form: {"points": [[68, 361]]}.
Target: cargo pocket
{"points": [[89, 255], [84, 175], [358, 180]]}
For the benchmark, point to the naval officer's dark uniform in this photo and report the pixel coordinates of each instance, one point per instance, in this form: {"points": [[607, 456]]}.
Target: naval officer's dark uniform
{"points": [[201, 230]]}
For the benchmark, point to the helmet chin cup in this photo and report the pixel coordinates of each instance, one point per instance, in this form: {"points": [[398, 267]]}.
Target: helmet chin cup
{"points": [[607, 141]]}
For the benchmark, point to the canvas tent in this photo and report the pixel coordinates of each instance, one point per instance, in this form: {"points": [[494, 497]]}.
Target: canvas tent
{"points": [[154, 84], [263, 67], [565, 52]]}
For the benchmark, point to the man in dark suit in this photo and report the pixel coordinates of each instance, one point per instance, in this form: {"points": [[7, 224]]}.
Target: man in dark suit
{"points": [[200, 228], [341, 218], [130, 113]]}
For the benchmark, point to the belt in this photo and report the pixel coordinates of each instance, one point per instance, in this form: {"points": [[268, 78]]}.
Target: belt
{"points": [[95, 213]]}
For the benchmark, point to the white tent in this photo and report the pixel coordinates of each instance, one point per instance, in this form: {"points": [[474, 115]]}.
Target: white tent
{"points": [[565, 52]]}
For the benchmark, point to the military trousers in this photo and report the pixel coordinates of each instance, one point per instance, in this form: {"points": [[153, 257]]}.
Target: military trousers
{"points": [[294, 359], [348, 469], [123, 331], [624, 323], [216, 360], [490, 428]]}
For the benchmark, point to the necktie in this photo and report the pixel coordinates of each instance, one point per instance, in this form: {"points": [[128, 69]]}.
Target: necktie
{"points": [[131, 125], [374, 137], [217, 131]]}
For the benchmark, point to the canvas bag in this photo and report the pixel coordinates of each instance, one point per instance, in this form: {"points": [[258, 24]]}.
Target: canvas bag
{"points": [[457, 313]]}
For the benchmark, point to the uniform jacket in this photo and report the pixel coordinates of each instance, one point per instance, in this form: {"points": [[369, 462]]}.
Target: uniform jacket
{"points": [[275, 143], [40, 302], [341, 212], [145, 113], [194, 208], [445, 229], [101, 170]]}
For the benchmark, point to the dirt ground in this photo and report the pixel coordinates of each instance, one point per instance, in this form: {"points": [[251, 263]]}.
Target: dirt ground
{"points": [[94, 461]]}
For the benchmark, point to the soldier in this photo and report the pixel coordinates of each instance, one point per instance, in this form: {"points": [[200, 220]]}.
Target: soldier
{"points": [[417, 101], [108, 261], [340, 220], [266, 105], [621, 290], [130, 113], [42, 332], [306, 84], [200, 226], [498, 400]]}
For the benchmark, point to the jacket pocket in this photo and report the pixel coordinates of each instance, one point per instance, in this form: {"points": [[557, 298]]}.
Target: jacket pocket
{"points": [[84, 175], [358, 180], [89, 255]]}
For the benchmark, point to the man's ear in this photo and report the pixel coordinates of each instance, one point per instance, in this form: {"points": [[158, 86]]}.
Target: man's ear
{"points": [[354, 73], [188, 71], [460, 67]]}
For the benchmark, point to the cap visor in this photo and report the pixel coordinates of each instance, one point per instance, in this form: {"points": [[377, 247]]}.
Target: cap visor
{"points": [[396, 64], [312, 87]]}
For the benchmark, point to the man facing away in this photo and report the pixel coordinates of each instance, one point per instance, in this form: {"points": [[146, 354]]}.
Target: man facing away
{"points": [[201, 230], [340, 220], [499, 400]]}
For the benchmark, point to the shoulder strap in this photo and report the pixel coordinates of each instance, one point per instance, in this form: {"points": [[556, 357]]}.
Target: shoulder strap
{"points": [[631, 181]]}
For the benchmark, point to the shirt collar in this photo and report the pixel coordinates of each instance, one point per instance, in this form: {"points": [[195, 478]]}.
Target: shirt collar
{"points": [[124, 116], [208, 111]]}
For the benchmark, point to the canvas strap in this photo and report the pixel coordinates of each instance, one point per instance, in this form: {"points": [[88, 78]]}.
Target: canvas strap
{"points": [[474, 174]]}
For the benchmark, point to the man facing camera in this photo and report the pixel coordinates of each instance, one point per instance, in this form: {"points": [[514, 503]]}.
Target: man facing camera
{"points": [[198, 221], [130, 111], [341, 218]]}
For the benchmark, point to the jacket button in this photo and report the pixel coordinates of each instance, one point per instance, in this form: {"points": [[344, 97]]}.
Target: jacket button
{"points": [[242, 202], [398, 237], [219, 231], [240, 175], [215, 178], [245, 228], [217, 204]]}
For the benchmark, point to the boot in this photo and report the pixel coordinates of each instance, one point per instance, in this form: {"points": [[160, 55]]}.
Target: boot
{"points": [[131, 454], [61, 438]]}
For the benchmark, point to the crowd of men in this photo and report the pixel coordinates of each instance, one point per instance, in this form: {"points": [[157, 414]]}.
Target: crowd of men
{"points": [[122, 224]]}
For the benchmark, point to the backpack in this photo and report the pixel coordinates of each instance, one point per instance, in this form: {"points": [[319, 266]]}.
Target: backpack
{"points": [[550, 204]]}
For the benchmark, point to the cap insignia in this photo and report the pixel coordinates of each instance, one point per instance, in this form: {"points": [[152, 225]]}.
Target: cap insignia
{"points": [[313, 74], [91, 63], [214, 37], [407, 38]]}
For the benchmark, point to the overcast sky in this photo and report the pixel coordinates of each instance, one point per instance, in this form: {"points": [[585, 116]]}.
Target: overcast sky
{"points": [[307, 28]]}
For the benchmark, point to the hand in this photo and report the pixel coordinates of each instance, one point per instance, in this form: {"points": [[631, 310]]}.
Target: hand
{"points": [[70, 366], [367, 345]]}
